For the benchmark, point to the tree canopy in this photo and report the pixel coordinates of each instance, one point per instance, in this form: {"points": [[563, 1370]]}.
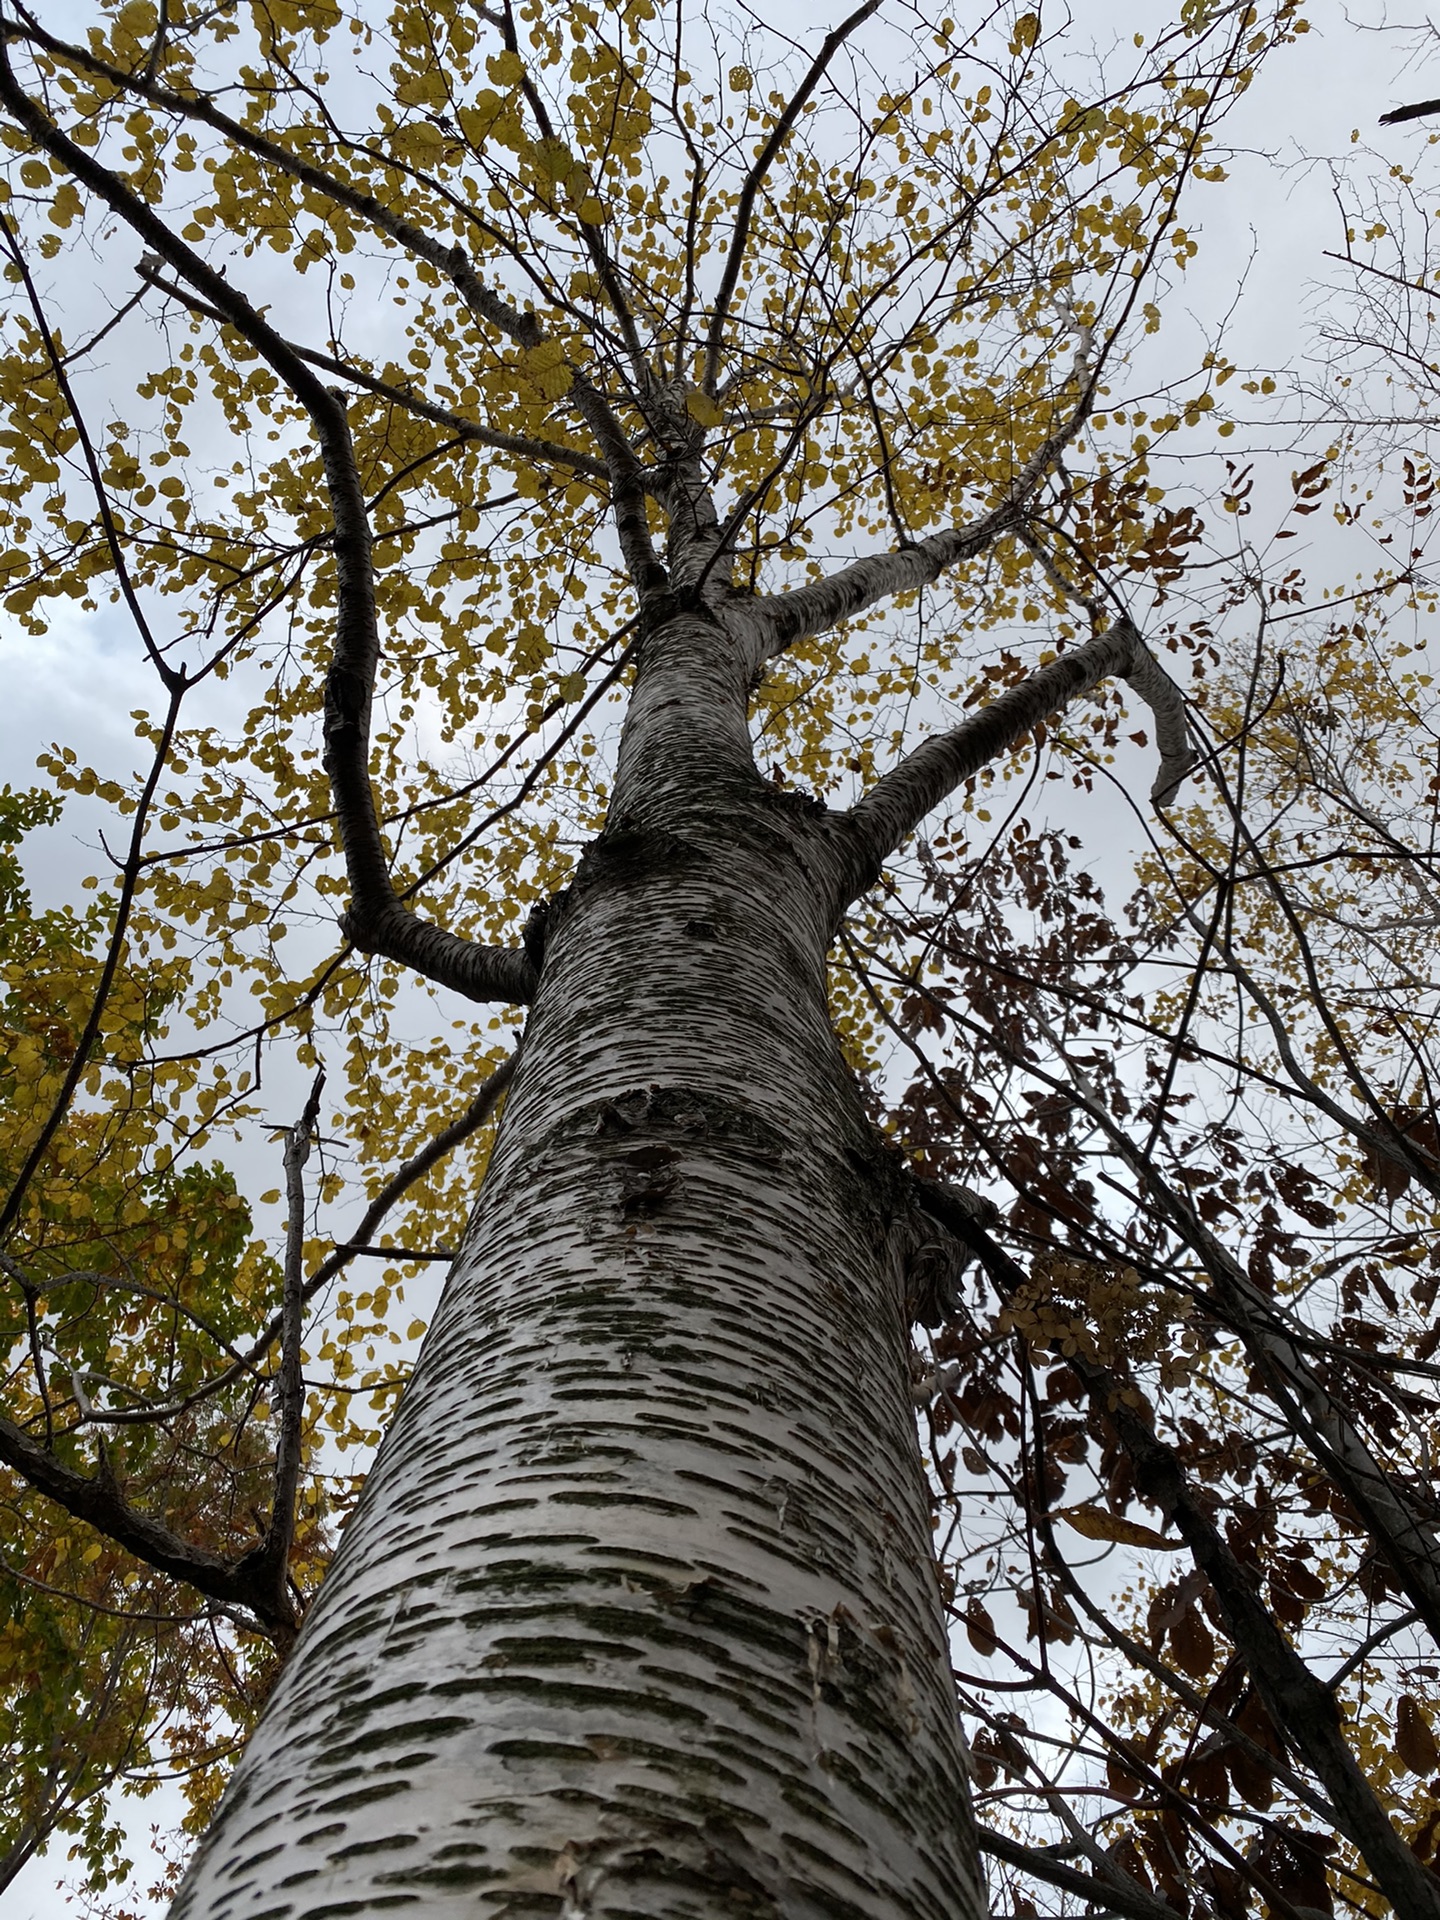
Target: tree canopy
{"points": [[391, 374]]}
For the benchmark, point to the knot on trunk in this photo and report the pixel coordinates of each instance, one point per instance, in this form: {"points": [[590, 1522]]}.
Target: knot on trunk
{"points": [[931, 1258], [924, 1226]]}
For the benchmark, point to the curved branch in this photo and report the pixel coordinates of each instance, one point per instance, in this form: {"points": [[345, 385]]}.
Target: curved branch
{"points": [[99, 1503], [376, 922], [899, 801], [453, 262]]}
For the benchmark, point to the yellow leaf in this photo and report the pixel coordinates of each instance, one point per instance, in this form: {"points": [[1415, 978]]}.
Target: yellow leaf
{"points": [[701, 407], [506, 69], [1097, 1524]]}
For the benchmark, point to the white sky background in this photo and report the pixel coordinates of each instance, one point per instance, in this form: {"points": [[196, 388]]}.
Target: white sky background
{"points": [[1273, 222]]}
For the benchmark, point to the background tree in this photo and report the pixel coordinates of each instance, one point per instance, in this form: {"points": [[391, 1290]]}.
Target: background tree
{"points": [[1214, 1113], [746, 394]]}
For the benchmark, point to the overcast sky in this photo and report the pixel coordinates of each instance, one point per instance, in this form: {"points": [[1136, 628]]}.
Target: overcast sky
{"points": [[1275, 218]]}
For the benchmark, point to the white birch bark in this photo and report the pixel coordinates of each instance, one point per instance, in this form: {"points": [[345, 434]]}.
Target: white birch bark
{"points": [[638, 1613]]}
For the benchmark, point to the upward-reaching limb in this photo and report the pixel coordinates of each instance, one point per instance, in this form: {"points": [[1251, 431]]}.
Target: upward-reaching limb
{"points": [[754, 180], [897, 803], [784, 618]]}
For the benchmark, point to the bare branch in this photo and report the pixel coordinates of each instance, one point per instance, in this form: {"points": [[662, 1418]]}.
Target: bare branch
{"points": [[274, 1552], [1416, 112], [755, 179], [1131, 1901]]}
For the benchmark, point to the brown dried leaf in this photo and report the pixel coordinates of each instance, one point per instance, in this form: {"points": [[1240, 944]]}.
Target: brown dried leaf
{"points": [[1414, 1740], [980, 1628], [1192, 1644], [1254, 1782]]}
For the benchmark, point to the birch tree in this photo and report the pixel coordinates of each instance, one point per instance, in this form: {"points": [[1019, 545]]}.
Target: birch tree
{"points": [[591, 654]]}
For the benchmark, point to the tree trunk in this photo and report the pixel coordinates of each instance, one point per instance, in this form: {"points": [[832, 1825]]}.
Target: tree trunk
{"points": [[638, 1613]]}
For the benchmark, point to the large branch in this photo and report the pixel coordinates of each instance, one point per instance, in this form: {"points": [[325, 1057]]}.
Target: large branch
{"points": [[784, 618], [898, 802], [376, 921], [99, 1503]]}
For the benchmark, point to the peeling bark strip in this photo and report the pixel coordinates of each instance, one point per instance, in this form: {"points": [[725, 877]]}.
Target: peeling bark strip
{"points": [[637, 1614]]}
